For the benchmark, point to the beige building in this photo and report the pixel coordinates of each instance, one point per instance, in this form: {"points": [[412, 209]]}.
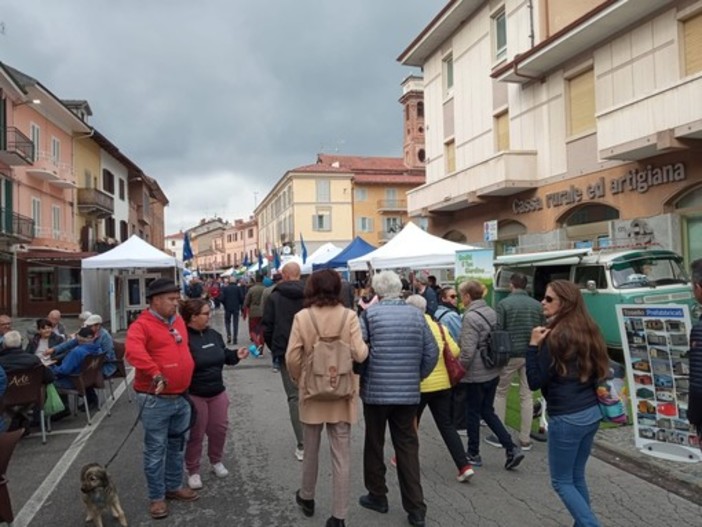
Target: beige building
{"points": [[563, 123], [207, 245], [240, 241]]}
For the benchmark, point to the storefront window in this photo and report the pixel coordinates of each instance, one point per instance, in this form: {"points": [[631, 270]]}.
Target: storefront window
{"points": [[591, 214], [41, 284], [69, 287]]}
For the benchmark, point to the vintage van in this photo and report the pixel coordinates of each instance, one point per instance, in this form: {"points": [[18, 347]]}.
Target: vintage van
{"points": [[606, 278]]}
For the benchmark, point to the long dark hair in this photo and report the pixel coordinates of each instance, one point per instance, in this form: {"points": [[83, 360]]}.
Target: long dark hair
{"points": [[323, 288], [574, 337]]}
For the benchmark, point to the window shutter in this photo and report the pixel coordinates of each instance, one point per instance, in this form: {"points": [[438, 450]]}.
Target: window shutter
{"points": [[693, 44], [502, 130], [582, 103]]}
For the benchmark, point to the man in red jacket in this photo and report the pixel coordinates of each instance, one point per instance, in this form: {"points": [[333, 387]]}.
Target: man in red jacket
{"points": [[157, 347]]}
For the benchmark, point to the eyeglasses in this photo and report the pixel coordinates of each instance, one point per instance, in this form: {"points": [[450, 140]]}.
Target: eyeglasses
{"points": [[453, 296], [549, 299], [176, 335]]}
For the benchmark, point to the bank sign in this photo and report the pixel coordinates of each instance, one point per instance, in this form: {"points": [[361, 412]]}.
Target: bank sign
{"points": [[633, 181]]}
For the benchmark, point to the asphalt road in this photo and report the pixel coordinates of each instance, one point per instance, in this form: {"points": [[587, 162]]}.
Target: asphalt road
{"points": [[259, 491]]}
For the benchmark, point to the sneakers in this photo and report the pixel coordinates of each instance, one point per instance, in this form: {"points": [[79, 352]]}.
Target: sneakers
{"points": [[465, 474], [219, 470], [475, 460], [307, 506], [194, 481], [374, 503], [525, 445], [462, 432], [514, 458], [492, 440], [299, 454]]}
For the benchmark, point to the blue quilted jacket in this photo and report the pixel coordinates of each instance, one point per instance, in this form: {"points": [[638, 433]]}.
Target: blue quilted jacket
{"points": [[403, 351], [696, 358]]}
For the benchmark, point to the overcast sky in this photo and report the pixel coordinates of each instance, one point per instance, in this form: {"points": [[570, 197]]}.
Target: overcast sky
{"points": [[216, 99]]}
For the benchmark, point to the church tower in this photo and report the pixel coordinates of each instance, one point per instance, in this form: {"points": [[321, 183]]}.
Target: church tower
{"points": [[413, 119]]}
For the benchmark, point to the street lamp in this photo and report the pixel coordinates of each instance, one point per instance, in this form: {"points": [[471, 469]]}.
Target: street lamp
{"points": [[30, 101]]}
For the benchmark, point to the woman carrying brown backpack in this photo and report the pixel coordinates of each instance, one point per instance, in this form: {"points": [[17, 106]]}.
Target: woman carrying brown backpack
{"points": [[325, 317]]}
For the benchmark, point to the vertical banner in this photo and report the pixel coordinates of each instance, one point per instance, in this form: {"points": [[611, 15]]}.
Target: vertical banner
{"points": [[656, 346], [476, 264]]}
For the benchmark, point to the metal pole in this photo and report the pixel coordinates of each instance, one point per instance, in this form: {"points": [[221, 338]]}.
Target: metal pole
{"points": [[15, 280]]}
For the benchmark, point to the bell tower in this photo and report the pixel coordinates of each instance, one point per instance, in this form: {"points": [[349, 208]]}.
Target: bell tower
{"points": [[413, 120]]}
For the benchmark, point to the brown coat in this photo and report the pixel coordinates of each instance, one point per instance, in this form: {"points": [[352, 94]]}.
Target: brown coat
{"points": [[302, 339]]}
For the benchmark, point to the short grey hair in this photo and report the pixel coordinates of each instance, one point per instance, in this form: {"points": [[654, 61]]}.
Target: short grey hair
{"points": [[387, 284], [417, 301], [13, 339]]}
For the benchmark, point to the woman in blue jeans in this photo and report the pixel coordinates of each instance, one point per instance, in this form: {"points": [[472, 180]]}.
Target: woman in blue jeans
{"points": [[565, 360]]}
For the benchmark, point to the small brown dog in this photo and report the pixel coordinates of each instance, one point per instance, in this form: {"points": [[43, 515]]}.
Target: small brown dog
{"points": [[99, 494]]}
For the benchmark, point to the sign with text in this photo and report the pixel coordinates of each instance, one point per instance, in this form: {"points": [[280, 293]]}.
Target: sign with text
{"points": [[656, 346], [476, 264], [490, 231]]}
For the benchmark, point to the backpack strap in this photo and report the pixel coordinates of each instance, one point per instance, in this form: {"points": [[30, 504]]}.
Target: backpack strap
{"points": [[491, 326], [441, 315], [341, 327]]}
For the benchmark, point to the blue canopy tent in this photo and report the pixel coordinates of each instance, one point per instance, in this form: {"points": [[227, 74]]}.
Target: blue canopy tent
{"points": [[358, 247]]}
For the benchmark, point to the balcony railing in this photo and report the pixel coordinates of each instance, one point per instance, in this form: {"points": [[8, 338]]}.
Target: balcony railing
{"points": [[49, 233], [143, 216], [15, 226], [94, 202], [392, 205], [15, 147], [46, 167]]}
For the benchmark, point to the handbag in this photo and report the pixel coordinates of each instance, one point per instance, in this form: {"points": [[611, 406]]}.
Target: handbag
{"points": [[454, 368], [52, 401], [611, 405]]}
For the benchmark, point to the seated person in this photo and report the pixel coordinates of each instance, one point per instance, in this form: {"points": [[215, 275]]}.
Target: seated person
{"points": [[55, 317], [12, 359], [100, 336], [72, 362], [43, 339]]}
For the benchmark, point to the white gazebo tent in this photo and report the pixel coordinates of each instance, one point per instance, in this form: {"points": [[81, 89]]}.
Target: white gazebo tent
{"points": [[103, 275], [325, 253], [411, 247]]}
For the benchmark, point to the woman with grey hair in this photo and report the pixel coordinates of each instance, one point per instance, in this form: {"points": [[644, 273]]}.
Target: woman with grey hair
{"points": [[402, 353], [436, 393]]}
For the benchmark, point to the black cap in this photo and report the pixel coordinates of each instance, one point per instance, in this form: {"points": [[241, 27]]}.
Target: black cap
{"points": [[86, 333], [161, 286]]}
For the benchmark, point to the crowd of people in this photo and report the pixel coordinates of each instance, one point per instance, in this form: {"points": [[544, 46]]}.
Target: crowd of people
{"points": [[389, 354]]}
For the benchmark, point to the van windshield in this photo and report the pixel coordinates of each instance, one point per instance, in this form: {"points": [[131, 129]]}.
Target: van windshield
{"points": [[647, 272]]}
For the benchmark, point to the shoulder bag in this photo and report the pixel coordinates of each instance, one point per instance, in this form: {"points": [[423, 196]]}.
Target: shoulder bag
{"points": [[455, 369]]}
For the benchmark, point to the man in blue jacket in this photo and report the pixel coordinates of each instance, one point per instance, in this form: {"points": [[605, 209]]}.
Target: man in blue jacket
{"points": [[232, 299], [72, 362], [694, 411], [403, 351]]}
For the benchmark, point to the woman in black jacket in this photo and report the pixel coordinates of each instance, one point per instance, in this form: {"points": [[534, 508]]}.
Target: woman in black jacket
{"points": [[43, 339], [565, 360], [207, 390]]}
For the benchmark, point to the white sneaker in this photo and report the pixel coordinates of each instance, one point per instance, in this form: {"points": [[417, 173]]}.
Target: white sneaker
{"points": [[220, 470], [194, 481], [299, 454]]}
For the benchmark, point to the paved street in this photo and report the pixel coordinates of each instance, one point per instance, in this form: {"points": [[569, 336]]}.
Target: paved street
{"points": [[264, 475]]}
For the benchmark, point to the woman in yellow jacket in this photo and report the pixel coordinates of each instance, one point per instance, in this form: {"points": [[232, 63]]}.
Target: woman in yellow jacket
{"points": [[436, 393]]}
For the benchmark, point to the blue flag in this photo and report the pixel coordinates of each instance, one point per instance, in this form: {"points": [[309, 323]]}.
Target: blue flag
{"points": [[246, 262], [276, 259], [187, 250], [303, 249]]}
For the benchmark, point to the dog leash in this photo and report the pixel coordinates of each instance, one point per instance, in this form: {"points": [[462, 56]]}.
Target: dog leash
{"points": [[119, 448]]}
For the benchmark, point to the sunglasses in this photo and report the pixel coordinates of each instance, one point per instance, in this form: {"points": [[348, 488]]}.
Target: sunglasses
{"points": [[453, 296], [176, 335], [549, 299]]}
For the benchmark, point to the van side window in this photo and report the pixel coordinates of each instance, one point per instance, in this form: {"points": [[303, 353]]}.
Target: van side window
{"points": [[592, 272]]}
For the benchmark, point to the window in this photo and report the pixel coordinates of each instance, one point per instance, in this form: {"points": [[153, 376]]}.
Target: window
{"points": [[146, 203], [55, 151], [692, 35], [323, 191], [420, 111], [499, 25], [55, 222], [448, 74], [393, 224], [36, 216], [391, 198], [110, 227], [502, 131], [591, 213], [596, 273], [321, 220], [36, 136], [87, 179], [250, 233], [360, 194], [121, 189], [450, 155], [108, 181], [124, 231], [581, 103], [364, 224]]}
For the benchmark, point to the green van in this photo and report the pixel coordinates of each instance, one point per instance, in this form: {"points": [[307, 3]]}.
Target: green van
{"points": [[606, 278]]}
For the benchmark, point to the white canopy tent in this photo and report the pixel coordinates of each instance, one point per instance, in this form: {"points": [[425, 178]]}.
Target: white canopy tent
{"points": [[325, 253], [411, 247], [102, 274]]}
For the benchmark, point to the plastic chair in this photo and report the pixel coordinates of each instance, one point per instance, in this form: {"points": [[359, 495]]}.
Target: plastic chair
{"points": [[120, 373], [8, 441], [26, 387], [90, 376]]}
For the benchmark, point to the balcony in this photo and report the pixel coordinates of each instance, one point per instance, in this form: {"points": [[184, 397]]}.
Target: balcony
{"points": [[57, 235], [16, 149], [143, 216], [95, 203], [392, 205], [48, 169], [15, 227], [503, 174]]}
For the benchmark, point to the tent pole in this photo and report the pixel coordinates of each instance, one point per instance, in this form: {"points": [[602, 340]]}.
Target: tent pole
{"points": [[113, 303]]}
